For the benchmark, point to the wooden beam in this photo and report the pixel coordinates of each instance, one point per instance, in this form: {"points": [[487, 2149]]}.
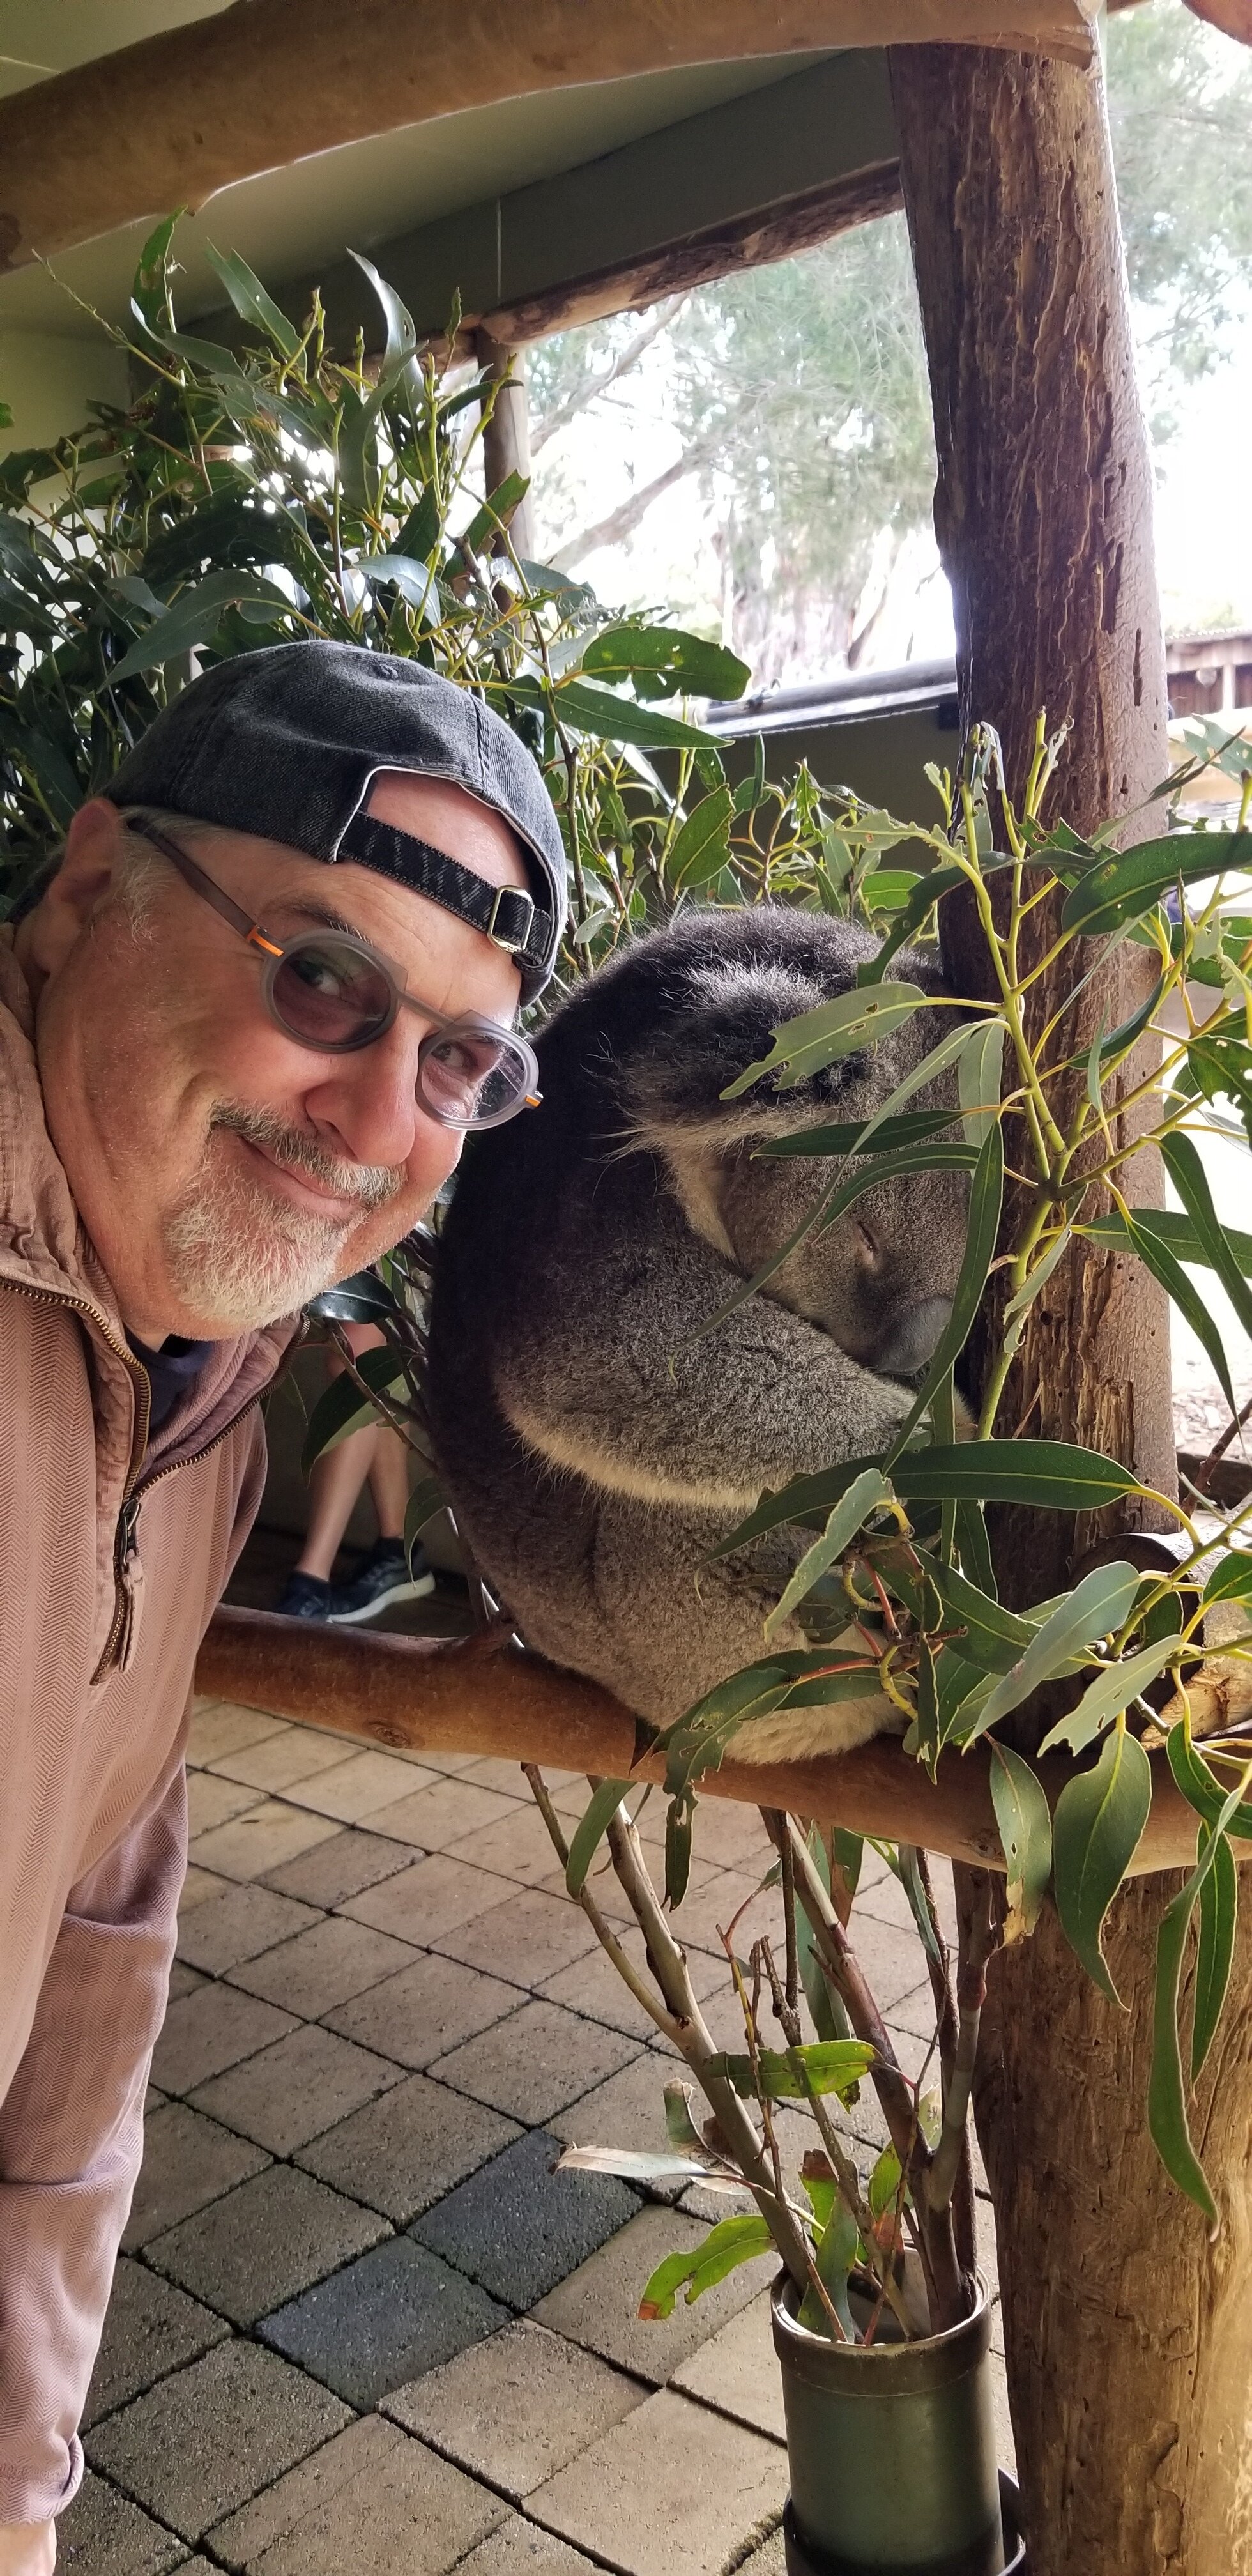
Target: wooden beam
{"points": [[173, 119], [751, 241], [487, 1697]]}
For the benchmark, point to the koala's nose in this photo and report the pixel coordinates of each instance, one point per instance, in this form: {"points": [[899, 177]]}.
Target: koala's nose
{"points": [[913, 1337]]}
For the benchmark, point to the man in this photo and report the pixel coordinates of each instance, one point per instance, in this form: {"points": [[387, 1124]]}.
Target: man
{"points": [[230, 1074]]}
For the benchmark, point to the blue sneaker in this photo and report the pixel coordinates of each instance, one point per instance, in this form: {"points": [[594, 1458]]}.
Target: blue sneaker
{"points": [[306, 1597], [385, 1578]]}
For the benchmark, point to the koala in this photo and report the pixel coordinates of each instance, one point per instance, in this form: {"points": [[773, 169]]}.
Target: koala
{"points": [[593, 1453]]}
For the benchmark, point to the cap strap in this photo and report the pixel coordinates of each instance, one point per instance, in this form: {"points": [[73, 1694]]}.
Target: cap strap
{"points": [[509, 918]]}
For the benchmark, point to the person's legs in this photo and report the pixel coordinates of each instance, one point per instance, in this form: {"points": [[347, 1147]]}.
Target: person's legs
{"points": [[335, 1480], [389, 1482]]}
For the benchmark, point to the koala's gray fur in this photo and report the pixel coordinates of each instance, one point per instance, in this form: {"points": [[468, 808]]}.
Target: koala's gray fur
{"points": [[592, 1460]]}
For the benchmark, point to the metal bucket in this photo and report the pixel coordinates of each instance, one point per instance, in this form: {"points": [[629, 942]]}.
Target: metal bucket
{"points": [[892, 2450]]}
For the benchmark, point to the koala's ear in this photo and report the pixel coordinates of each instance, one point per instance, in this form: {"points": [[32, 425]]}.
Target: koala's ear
{"points": [[730, 1014]]}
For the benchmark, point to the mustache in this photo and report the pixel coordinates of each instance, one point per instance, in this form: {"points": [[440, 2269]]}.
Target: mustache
{"points": [[371, 1184]]}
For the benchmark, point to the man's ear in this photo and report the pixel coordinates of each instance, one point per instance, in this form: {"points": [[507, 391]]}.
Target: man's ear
{"points": [[81, 884]]}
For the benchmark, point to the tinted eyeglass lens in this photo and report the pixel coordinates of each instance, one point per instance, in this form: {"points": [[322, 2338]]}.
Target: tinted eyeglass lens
{"points": [[326, 993], [468, 1079]]}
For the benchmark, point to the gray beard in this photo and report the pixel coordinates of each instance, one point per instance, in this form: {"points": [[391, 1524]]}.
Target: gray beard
{"points": [[239, 1255]]}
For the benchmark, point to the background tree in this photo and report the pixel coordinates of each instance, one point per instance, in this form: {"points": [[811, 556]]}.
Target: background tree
{"points": [[794, 397]]}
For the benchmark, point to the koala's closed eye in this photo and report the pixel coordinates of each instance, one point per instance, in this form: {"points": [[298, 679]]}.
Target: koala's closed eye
{"points": [[594, 1449]]}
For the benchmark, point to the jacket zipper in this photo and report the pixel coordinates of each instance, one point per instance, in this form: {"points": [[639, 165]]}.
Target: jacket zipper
{"points": [[136, 1488]]}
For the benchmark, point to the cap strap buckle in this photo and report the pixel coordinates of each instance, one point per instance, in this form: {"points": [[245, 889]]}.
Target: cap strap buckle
{"points": [[511, 920]]}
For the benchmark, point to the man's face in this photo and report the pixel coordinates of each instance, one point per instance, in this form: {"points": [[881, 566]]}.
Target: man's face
{"points": [[223, 1172]]}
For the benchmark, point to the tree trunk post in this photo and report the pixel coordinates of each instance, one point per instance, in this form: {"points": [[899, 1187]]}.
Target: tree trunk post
{"points": [[1128, 2338], [506, 434]]}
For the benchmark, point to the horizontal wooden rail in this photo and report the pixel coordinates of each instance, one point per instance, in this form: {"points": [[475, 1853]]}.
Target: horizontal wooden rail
{"points": [[480, 1695]]}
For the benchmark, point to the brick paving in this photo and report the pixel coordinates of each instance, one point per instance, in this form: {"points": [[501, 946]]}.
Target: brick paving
{"points": [[358, 2322]]}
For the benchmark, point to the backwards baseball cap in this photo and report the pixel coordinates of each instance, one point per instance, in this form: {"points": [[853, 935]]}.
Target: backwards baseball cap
{"points": [[286, 743]]}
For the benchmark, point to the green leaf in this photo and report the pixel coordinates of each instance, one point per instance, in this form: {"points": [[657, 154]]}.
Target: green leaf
{"points": [[597, 711], [682, 662], [1097, 1605], [1186, 1296], [702, 845], [343, 1409], [973, 1546], [994, 1638], [401, 330], [1219, 1907], [949, 1051], [1231, 1580], [928, 892], [1096, 1830], [807, 1044], [986, 1198], [1106, 1697], [194, 618], [1176, 1231], [1051, 1475], [1024, 1824], [869, 1491], [883, 2188], [425, 1501], [732, 2242], [890, 1135], [1187, 1173], [678, 1847], [592, 1827], [1124, 888], [979, 1080], [835, 2256], [829, 2066], [497, 510], [1038, 1278], [1167, 2101], [1200, 1788], [250, 300]]}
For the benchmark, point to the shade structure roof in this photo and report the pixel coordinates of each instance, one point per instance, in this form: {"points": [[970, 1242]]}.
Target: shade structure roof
{"points": [[296, 126]]}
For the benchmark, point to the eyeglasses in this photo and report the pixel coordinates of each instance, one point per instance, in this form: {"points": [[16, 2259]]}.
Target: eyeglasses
{"points": [[332, 992]]}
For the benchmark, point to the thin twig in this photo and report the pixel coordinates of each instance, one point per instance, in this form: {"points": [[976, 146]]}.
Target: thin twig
{"points": [[978, 1944], [1200, 1482]]}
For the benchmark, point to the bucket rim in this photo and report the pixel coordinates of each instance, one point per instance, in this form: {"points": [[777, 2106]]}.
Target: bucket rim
{"points": [[882, 2369]]}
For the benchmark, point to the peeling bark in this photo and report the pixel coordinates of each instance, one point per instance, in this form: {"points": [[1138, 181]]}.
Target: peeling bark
{"points": [[1128, 2340]]}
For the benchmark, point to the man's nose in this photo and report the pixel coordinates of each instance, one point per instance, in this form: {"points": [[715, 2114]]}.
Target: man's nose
{"points": [[371, 1100], [913, 1337]]}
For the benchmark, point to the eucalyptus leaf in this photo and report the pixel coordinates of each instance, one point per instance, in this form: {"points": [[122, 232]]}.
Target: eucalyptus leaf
{"points": [[342, 1409], [1123, 888], [1096, 1831], [986, 1198], [1106, 1697], [1096, 1606], [867, 1494], [702, 844], [193, 618], [978, 1080], [1024, 1824], [732, 2242], [590, 1831], [795, 2074], [1167, 2099], [817, 1038], [1215, 1954]]}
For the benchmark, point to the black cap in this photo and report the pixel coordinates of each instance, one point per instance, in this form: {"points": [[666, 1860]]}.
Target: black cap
{"points": [[287, 742]]}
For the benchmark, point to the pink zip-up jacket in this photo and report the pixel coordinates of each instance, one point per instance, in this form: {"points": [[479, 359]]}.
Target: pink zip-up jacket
{"points": [[113, 1555]]}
